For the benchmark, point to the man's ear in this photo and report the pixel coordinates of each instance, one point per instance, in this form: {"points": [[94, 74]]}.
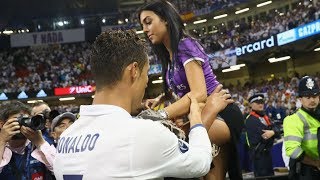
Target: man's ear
{"points": [[134, 70]]}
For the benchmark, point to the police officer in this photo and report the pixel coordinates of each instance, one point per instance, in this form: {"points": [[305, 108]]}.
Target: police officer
{"points": [[300, 133], [260, 134]]}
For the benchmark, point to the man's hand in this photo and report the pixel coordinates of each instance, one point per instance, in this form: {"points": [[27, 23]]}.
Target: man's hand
{"points": [[9, 129], [267, 134], [195, 111], [34, 136], [218, 100]]}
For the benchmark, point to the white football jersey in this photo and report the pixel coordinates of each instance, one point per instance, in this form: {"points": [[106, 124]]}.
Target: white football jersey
{"points": [[106, 142]]}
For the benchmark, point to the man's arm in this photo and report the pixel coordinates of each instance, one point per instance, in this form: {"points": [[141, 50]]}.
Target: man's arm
{"points": [[44, 152], [158, 152], [293, 135], [168, 156]]}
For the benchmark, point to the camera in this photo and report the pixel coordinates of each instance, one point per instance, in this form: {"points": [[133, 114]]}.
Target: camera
{"points": [[36, 122]]}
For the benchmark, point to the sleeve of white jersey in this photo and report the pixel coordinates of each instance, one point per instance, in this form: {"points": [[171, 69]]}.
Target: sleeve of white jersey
{"points": [[159, 153]]}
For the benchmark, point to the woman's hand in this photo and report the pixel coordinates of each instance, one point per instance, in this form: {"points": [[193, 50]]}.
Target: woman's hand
{"points": [[152, 103]]}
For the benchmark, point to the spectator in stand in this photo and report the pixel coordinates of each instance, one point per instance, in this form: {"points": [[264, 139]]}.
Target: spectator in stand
{"points": [[270, 110], [280, 113]]}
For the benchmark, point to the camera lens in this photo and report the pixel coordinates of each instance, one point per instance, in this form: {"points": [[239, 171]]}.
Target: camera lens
{"points": [[38, 122]]}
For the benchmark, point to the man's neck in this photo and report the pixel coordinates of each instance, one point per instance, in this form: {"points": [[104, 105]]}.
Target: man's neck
{"points": [[114, 96], [315, 113], [308, 110], [260, 113]]}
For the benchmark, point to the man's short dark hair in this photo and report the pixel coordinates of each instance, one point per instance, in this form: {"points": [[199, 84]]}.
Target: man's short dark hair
{"points": [[112, 52], [12, 108]]}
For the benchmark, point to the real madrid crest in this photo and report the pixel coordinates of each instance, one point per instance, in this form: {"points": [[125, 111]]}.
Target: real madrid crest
{"points": [[310, 83]]}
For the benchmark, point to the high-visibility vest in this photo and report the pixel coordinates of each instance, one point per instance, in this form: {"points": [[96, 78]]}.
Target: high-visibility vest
{"points": [[300, 135]]}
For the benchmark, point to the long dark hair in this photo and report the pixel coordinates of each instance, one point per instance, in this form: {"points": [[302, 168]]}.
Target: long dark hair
{"points": [[166, 11]]}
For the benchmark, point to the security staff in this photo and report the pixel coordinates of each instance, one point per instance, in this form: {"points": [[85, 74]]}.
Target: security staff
{"points": [[260, 134], [300, 133]]}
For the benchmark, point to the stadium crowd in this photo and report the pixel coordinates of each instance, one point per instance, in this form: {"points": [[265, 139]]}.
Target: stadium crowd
{"points": [[239, 33], [48, 67], [197, 7]]}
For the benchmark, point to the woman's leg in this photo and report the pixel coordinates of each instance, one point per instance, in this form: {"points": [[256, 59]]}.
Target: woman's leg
{"points": [[219, 134]]}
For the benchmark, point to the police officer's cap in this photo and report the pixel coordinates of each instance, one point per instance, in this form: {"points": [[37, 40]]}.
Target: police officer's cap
{"points": [[308, 87], [257, 98]]}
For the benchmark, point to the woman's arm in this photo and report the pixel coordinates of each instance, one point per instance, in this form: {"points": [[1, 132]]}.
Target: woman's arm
{"points": [[198, 90]]}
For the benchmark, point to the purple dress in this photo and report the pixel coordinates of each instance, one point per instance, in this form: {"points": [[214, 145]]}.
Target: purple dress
{"points": [[189, 50]]}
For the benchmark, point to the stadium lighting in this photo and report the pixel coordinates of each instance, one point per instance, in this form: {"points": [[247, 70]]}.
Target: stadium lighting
{"points": [[273, 60], [157, 81], [212, 32], [65, 22], [34, 101], [7, 32], [220, 16], [27, 30], [139, 32], [103, 20], [22, 31], [236, 66], [317, 49], [230, 69], [200, 21], [242, 11], [67, 99], [82, 22], [60, 23], [264, 3]]}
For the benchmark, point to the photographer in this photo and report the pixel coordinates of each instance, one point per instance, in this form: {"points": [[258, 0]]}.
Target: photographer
{"points": [[25, 154], [43, 108]]}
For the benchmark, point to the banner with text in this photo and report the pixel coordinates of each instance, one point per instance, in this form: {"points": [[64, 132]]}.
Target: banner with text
{"points": [[48, 37], [300, 32], [74, 90]]}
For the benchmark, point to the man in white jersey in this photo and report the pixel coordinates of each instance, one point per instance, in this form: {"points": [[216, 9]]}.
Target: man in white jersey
{"points": [[106, 142]]}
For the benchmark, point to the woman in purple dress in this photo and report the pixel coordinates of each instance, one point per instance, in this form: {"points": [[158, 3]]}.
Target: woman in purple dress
{"points": [[186, 69]]}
